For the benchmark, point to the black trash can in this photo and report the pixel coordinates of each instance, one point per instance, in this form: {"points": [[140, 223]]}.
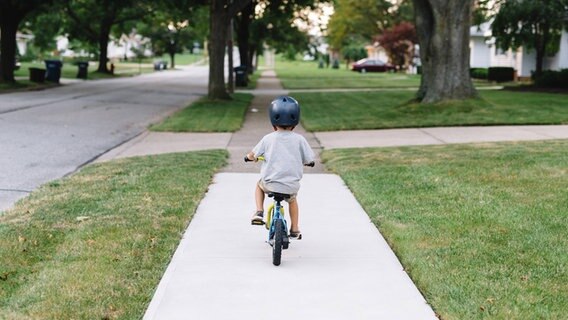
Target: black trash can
{"points": [[53, 73], [241, 76], [160, 65], [83, 69], [37, 75]]}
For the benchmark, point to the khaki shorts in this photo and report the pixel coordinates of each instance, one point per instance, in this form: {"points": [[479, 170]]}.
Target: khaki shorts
{"points": [[263, 188]]}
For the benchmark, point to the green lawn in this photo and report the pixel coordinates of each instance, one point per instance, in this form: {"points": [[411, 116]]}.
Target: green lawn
{"points": [[481, 229], [307, 75], [208, 116], [184, 59], [95, 245], [378, 110]]}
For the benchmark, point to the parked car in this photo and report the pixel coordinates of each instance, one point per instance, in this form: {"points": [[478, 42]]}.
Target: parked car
{"points": [[372, 65]]}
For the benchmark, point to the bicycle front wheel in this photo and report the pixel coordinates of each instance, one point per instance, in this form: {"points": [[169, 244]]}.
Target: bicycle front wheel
{"points": [[278, 241]]}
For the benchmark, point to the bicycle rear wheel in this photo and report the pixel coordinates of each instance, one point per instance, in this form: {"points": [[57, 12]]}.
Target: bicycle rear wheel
{"points": [[278, 241]]}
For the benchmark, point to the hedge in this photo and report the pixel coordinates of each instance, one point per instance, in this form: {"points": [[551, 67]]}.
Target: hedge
{"points": [[501, 74], [552, 79], [478, 73]]}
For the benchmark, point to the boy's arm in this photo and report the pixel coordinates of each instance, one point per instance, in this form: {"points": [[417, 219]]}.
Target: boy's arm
{"points": [[308, 154]]}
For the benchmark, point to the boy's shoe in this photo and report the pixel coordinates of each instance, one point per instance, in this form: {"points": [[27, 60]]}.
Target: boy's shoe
{"points": [[295, 235], [257, 218]]}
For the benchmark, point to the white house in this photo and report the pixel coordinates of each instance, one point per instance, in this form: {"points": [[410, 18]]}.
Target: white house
{"points": [[484, 53], [117, 49]]}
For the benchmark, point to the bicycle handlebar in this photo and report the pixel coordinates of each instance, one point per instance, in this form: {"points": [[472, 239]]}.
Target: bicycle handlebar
{"points": [[261, 158]]}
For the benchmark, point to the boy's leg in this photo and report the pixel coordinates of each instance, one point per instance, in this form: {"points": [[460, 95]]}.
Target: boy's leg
{"points": [[294, 215], [258, 216], [259, 197]]}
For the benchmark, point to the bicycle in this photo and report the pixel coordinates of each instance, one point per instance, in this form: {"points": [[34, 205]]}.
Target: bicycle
{"points": [[276, 223]]}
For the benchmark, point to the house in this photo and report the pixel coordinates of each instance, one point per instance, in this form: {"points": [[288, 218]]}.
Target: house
{"points": [[484, 53], [118, 49]]}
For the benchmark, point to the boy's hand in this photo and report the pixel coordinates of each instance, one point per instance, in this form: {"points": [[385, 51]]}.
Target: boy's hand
{"points": [[250, 157]]}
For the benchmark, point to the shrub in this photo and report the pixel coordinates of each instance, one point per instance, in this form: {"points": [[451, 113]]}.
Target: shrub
{"points": [[552, 79], [500, 74], [478, 73]]}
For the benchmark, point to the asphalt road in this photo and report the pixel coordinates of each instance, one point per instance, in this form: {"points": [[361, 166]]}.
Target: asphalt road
{"points": [[45, 135]]}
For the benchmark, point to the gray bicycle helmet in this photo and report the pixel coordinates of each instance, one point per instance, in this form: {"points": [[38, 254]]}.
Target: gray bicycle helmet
{"points": [[284, 111]]}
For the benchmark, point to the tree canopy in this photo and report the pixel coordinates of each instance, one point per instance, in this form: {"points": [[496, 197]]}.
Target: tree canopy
{"points": [[533, 24], [93, 21], [362, 20]]}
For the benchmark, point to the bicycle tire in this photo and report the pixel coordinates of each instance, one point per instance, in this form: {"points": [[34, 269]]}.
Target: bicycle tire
{"points": [[278, 241]]}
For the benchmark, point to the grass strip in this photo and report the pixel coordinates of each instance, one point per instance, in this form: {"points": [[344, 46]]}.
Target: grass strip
{"points": [[95, 245], [69, 70], [21, 85], [481, 229], [208, 116], [328, 111]]}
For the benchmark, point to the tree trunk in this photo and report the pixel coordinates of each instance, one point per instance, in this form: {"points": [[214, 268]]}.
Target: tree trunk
{"points": [[231, 84], [103, 49], [243, 35], [173, 59], [219, 22], [540, 48], [443, 35], [8, 28], [252, 60]]}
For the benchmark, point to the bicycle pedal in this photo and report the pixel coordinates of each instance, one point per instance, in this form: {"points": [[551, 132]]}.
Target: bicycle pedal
{"points": [[257, 223]]}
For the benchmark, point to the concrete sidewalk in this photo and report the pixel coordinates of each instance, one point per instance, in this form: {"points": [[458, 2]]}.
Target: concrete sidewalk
{"points": [[431, 136], [341, 269]]}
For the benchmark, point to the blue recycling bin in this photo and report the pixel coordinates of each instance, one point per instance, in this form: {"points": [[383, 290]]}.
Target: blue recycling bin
{"points": [[53, 70]]}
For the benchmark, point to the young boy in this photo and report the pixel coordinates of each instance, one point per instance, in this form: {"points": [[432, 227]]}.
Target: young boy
{"points": [[285, 153]]}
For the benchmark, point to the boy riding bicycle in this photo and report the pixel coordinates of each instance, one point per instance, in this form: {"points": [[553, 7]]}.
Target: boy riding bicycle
{"points": [[285, 153]]}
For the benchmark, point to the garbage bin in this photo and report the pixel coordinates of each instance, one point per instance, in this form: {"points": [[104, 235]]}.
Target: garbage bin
{"points": [[37, 75], [53, 68], [241, 76], [160, 65], [83, 69]]}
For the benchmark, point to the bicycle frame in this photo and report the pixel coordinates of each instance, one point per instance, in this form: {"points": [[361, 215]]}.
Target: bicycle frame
{"points": [[275, 212]]}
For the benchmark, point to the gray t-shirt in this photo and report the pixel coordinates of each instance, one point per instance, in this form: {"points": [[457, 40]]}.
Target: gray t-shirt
{"points": [[285, 153]]}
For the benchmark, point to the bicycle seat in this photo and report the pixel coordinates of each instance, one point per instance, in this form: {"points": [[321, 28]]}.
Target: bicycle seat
{"points": [[278, 196]]}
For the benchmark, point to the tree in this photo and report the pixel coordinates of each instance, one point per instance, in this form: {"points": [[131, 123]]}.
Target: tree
{"points": [[12, 12], [398, 42], [44, 27], [443, 35], [534, 24], [221, 13], [92, 21], [175, 26], [355, 19]]}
